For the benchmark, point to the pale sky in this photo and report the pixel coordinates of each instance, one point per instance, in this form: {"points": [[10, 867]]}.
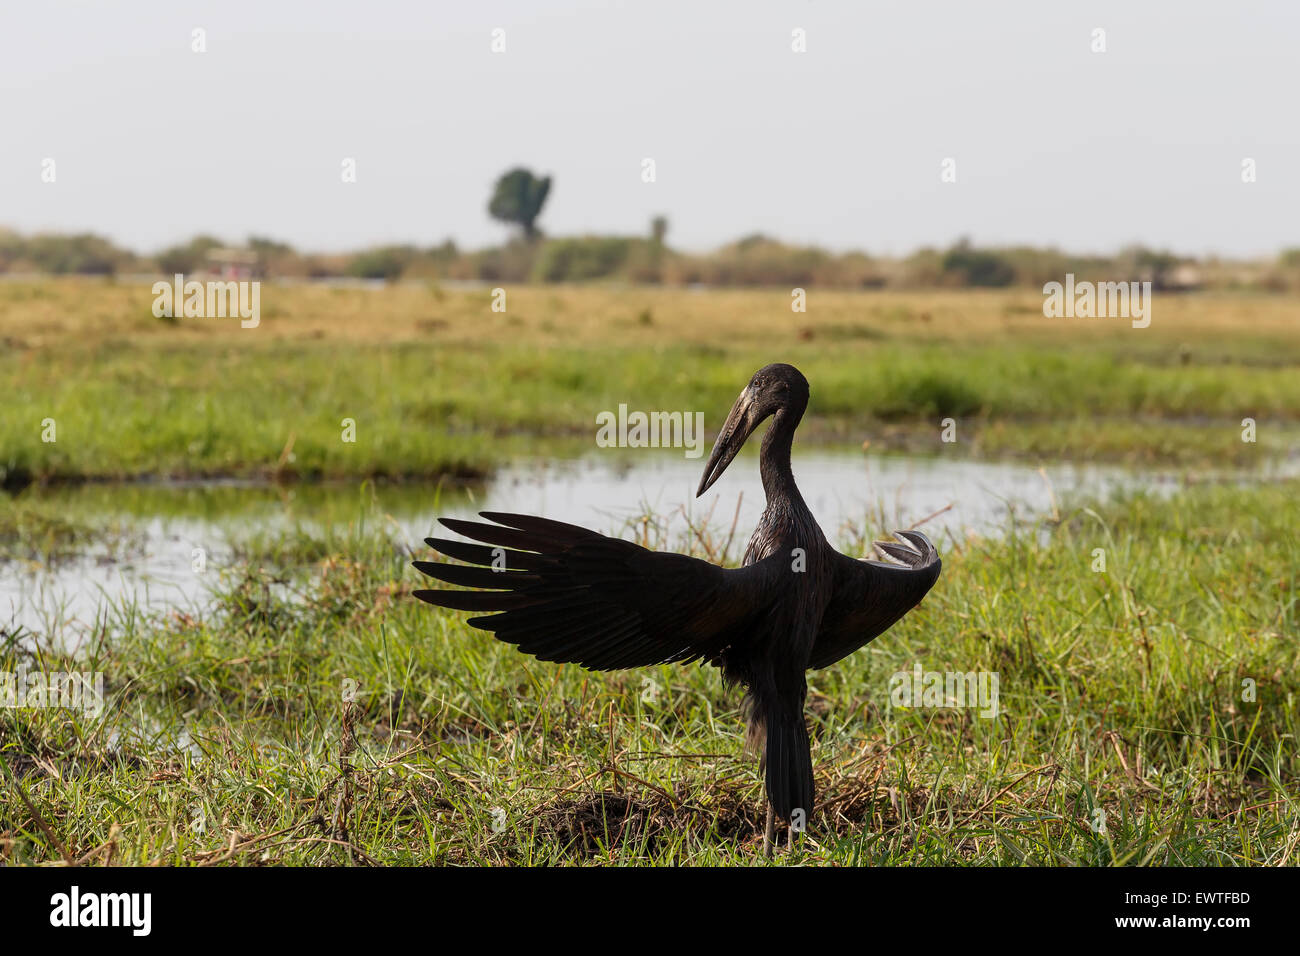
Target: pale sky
{"points": [[841, 145]]}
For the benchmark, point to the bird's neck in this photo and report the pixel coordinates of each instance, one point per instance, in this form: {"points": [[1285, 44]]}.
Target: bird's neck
{"points": [[774, 459]]}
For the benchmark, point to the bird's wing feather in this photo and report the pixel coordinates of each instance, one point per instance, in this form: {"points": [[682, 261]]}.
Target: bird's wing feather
{"points": [[565, 593], [870, 596]]}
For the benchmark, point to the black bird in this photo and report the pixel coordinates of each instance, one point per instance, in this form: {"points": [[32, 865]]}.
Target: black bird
{"points": [[563, 593]]}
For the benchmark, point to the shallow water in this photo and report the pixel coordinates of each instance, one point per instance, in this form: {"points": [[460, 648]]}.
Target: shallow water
{"points": [[845, 491]]}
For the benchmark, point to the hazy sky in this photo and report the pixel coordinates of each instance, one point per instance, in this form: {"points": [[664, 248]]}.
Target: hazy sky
{"points": [[840, 145]]}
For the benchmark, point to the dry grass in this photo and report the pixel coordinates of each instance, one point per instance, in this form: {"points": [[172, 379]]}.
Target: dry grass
{"points": [[86, 313]]}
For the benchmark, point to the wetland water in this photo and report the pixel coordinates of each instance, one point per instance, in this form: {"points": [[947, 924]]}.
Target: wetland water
{"points": [[163, 524]]}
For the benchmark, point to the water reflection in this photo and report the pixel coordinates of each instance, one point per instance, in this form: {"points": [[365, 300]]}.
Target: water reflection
{"points": [[845, 491]]}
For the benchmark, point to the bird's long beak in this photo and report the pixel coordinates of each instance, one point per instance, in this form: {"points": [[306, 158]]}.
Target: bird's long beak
{"points": [[740, 423]]}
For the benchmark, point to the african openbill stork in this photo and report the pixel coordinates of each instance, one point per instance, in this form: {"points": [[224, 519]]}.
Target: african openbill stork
{"points": [[563, 593]]}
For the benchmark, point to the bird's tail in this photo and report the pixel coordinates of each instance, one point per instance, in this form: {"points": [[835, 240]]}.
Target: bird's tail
{"points": [[786, 757]]}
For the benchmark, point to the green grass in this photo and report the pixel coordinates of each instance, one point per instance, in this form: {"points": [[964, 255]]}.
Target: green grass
{"points": [[424, 412], [227, 738], [438, 385]]}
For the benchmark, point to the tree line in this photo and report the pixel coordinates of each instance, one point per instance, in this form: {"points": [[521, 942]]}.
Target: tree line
{"points": [[519, 197]]}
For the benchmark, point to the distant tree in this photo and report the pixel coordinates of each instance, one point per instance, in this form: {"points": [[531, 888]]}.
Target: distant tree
{"points": [[585, 257], [1148, 265], [384, 262], [659, 230], [647, 263], [83, 254], [518, 199], [447, 252], [752, 241], [187, 257], [274, 257], [269, 248], [977, 267]]}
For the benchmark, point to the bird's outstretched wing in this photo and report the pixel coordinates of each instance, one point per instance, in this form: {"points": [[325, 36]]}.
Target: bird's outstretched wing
{"points": [[564, 593], [870, 596]]}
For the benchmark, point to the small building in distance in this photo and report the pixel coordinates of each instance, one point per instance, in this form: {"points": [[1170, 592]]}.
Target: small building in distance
{"points": [[1185, 277], [228, 263]]}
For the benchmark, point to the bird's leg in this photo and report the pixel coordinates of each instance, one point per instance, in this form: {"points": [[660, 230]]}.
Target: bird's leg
{"points": [[770, 834]]}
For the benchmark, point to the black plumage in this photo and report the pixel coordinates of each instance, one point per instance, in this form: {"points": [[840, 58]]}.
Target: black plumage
{"points": [[563, 593]]}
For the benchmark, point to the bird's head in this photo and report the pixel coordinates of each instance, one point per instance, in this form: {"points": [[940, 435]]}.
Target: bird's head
{"points": [[774, 389]]}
